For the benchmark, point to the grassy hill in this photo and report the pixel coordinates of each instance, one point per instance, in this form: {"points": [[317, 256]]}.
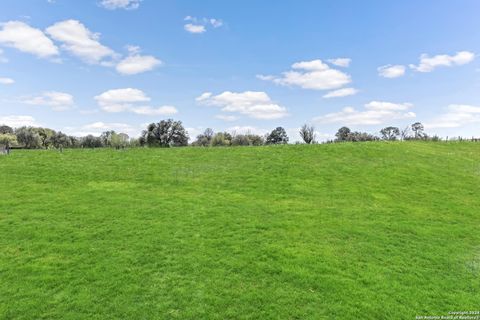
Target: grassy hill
{"points": [[341, 231]]}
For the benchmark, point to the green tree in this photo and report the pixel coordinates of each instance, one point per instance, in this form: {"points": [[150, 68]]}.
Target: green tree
{"points": [[222, 139], [390, 133], [417, 129], [61, 140], [204, 139], [277, 136], [4, 129], [307, 133], [45, 136], [91, 141], [343, 134], [166, 133], [28, 137], [7, 139]]}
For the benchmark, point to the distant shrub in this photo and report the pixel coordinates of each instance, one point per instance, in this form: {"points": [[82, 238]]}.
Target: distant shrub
{"points": [[204, 139], [345, 134], [247, 140], [221, 139]]}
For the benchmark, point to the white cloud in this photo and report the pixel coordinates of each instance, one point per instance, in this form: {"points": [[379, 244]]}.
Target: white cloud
{"points": [[391, 71], [428, 64], [97, 128], [6, 81], [194, 28], [137, 64], [199, 25], [160, 111], [457, 115], [341, 93], [204, 96], [58, 101], [81, 42], [118, 100], [129, 100], [253, 104], [388, 106], [120, 4], [216, 23], [18, 121], [375, 113], [192, 131], [314, 75], [340, 62], [21, 36], [225, 117]]}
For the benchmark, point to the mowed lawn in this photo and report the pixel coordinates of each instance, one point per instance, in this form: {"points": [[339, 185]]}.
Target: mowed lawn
{"points": [[340, 231]]}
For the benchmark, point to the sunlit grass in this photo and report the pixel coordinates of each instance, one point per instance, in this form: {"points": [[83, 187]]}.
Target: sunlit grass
{"points": [[341, 231]]}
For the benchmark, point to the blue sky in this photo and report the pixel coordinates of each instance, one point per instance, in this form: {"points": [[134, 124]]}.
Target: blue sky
{"points": [[87, 66]]}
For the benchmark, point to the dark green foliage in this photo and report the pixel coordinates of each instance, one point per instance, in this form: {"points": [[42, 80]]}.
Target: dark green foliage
{"points": [[6, 129], [60, 140], [390, 133], [247, 140], [277, 136], [343, 133], [166, 133], [417, 129], [91, 141]]}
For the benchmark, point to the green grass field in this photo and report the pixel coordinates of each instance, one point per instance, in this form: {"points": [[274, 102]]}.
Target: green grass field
{"points": [[340, 231]]}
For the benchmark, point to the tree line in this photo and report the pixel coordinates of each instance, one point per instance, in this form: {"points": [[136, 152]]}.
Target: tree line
{"points": [[171, 133]]}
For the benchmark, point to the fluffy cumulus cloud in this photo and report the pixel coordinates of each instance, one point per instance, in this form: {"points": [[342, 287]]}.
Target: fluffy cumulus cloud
{"points": [[341, 62], [341, 93], [130, 100], [6, 81], [119, 100], [78, 40], [120, 4], [375, 113], [21, 36], [194, 28], [200, 25], [253, 104], [428, 64], [456, 115], [58, 101], [81, 42], [391, 71], [315, 75], [136, 63], [18, 121]]}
